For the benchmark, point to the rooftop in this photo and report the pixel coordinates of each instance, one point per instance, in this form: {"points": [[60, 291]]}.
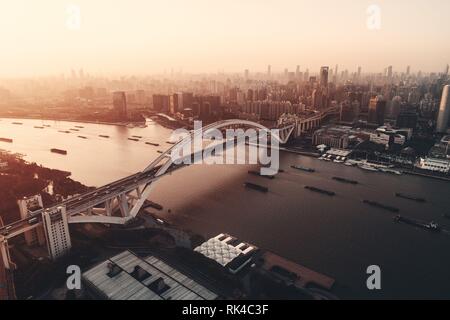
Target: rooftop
{"points": [[129, 277]]}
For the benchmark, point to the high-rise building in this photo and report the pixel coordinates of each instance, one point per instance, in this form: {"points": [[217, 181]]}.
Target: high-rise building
{"points": [[57, 232], [120, 104], [377, 108], [324, 77], [27, 206], [389, 72], [443, 119], [161, 103], [269, 70], [408, 70]]}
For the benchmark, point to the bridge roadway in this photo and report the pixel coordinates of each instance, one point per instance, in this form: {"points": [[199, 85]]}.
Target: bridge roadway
{"points": [[87, 200], [101, 195]]}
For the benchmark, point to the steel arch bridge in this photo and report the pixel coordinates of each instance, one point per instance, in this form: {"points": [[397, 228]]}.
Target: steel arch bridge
{"points": [[120, 201]]}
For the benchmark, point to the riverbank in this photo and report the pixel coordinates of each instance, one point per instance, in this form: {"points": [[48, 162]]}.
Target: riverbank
{"points": [[19, 178], [123, 124]]}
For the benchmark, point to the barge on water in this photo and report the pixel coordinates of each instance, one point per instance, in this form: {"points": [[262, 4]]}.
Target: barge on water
{"points": [[38, 127], [152, 144], [328, 193], [6, 140], [18, 123], [256, 187], [431, 226], [81, 127], [257, 173], [345, 180], [103, 136], [381, 206], [60, 151], [82, 137], [303, 168], [138, 137], [409, 197], [133, 139]]}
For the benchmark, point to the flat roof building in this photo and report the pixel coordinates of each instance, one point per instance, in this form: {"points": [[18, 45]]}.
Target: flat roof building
{"points": [[129, 277]]}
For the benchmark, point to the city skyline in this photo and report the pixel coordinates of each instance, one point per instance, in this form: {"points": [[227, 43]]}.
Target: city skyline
{"points": [[200, 36]]}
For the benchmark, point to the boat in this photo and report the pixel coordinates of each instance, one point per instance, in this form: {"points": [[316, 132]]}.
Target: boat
{"points": [[60, 151], [328, 193], [81, 127], [133, 139], [38, 127], [368, 168], [345, 180], [47, 125], [159, 151], [257, 187], [103, 136], [349, 164], [303, 168], [6, 140], [397, 172], [17, 123], [152, 144], [63, 131], [73, 129], [431, 226], [170, 142], [139, 137], [82, 137], [409, 197], [381, 206], [257, 173]]}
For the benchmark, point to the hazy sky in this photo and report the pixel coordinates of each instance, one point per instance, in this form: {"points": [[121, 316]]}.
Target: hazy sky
{"points": [[40, 37]]}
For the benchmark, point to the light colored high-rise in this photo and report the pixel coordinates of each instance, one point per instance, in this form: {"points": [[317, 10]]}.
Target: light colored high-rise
{"points": [[57, 232], [444, 111]]}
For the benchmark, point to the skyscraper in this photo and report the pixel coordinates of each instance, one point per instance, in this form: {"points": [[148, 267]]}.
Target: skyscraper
{"points": [[377, 108], [324, 76], [389, 72], [443, 119], [120, 104]]}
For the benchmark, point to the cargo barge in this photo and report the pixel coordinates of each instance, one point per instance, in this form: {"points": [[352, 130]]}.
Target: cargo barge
{"points": [[6, 140], [409, 197], [139, 137], [256, 187], [81, 127], [59, 151], [328, 193], [345, 180], [133, 139], [82, 137], [152, 144], [381, 206], [103, 136], [257, 173], [430, 226], [303, 168], [18, 123], [38, 127]]}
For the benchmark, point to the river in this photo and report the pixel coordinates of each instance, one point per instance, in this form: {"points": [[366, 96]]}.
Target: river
{"points": [[339, 236]]}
